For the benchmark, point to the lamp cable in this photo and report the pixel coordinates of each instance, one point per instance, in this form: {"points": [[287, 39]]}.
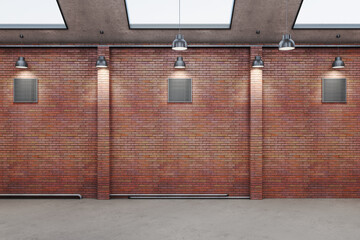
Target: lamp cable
{"points": [[179, 15], [21, 42], [286, 23]]}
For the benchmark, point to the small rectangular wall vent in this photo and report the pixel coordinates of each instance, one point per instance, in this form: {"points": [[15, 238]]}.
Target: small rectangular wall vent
{"points": [[179, 90], [334, 90], [25, 90]]}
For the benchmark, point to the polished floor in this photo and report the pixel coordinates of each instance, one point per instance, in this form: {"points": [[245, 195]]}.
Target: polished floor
{"points": [[122, 219]]}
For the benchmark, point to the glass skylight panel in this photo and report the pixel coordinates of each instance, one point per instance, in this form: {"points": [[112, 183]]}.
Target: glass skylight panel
{"points": [[164, 14], [326, 14], [31, 14]]}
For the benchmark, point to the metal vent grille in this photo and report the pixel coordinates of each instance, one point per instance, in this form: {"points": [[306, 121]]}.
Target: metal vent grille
{"points": [[180, 90], [334, 90], [25, 90]]}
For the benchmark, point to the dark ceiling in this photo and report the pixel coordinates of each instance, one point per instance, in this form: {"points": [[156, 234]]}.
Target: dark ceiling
{"points": [[85, 18]]}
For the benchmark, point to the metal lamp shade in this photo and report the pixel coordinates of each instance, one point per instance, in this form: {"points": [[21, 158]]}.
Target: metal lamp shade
{"points": [[21, 63], [286, 43], [338, 63], [101, 62], [179, 44], [258, 62], [179, 63]]}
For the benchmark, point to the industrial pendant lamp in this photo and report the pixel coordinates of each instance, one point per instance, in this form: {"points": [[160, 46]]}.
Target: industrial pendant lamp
{"points": [[21, 63], [258, 62], [179, 44], [338, 63], [101, 61], [179, 63], [286, 43]]}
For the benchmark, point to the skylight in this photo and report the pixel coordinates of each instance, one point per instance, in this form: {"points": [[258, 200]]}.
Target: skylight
{"points": [[164, 14], [31, 14], [325, 14]]}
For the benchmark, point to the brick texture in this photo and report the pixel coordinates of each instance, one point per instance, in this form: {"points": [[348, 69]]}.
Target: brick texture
{"points": [[256, 128], [49, 146], [311, 149], [198, 147], [263, 133], [103, 128]]}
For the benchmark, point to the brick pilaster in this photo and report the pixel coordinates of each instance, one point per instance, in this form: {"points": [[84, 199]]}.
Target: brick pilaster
{"points": [[256, 127], [103, 127]]}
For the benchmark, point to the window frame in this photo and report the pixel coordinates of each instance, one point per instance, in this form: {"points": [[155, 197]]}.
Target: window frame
{"points": [[317, 28], [38, 28], [323, 90], [183, 28], [36, 90], [191, 91]]}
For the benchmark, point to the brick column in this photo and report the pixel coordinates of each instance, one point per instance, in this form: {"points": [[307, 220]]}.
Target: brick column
{"points": [[103, 127], [256, 137]]}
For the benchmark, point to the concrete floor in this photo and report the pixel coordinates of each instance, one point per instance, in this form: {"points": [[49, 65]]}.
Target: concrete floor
{"points": [[123, 219]]}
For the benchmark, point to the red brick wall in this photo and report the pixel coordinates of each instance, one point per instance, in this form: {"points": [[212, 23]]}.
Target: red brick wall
{"points": [[49, 146], [199, 147], [311, 149], [103, 128], [256, 128], [66, 142]]}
